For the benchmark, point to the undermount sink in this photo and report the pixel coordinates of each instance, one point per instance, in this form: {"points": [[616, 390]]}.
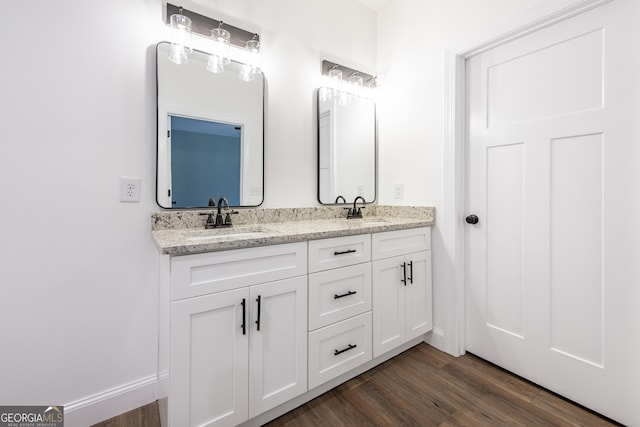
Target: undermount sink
{"points": [[226, 233], [374, 221]]}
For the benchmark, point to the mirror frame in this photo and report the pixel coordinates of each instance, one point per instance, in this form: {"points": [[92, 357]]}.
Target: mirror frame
{"points": [[264, 104], [375, 151]]}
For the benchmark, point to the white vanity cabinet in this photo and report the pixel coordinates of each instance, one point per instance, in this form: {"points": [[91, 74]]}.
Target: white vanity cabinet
{"points": [[402, 286], [248, 334], [339, 306], [238, 335]]}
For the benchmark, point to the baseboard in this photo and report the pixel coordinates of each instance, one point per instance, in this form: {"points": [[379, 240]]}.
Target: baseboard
{"points": [[110, 403], [435, 338]]}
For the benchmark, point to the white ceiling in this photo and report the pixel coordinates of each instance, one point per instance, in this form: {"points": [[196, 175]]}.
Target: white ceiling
{"points": [[373, 4]]}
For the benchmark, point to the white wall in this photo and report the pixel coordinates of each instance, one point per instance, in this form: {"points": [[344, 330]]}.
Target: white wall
{"points": [[77, 103], [412, 38]]}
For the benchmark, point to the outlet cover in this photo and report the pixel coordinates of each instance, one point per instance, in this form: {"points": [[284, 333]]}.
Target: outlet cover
{"points": [[398, 191], [130, 188]]}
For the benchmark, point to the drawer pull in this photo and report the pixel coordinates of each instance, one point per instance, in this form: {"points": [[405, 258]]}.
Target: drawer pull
{"points": [[244, 316], [336, 296], [348, 251], [258, 300], [410, 272], [337, 352]]}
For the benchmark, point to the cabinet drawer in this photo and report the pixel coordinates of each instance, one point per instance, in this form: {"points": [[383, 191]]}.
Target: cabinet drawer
{"points": [[338, 294], [339, 348], [400, 242], [200, 274], [339, 252]]}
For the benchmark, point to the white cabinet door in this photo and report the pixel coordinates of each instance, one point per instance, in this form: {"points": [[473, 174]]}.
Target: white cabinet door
{"points": [[402, 301], [388, 305], [278, 345], [209, 357], [418, 299]]}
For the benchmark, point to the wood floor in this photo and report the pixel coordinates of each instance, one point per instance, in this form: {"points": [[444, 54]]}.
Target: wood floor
{"points": [[424, 387]]}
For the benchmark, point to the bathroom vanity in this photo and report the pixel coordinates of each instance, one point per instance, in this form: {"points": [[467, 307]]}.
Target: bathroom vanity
{"points": [[259, 318]]}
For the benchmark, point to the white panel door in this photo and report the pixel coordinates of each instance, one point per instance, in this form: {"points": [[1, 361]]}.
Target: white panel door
{"points": [[552, 271], [418, 299], [389, 319], [278, 343]]}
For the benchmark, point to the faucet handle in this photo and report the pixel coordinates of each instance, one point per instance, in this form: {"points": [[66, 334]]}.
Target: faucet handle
{"points": [[211, 222], [227, 217]]}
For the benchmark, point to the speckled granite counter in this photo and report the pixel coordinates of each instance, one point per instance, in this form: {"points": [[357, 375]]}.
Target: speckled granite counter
{"points": [[181, 233]]}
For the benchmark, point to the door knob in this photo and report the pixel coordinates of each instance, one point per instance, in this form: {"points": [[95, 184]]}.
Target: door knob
{"points": [[472, 219]]}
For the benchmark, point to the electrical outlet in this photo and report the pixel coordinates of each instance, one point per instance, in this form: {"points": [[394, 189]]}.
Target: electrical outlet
{"points": [[256, 191], [398, 191], [130, 189]]}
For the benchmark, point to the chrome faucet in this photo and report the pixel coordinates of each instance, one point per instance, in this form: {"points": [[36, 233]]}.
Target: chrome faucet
{"points": [[356, 212]]}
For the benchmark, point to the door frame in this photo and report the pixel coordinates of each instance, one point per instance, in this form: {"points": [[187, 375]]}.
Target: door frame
{"points": [[454, 185]]}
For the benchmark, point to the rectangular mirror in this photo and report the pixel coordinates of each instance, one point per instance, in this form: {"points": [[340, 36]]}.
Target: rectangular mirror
{"points": [[210, 133], [346, 147]]}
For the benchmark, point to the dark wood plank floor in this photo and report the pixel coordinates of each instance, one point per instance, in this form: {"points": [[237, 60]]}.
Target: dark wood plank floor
{"points": [[426, 387], [145, 416], [423, 387]]}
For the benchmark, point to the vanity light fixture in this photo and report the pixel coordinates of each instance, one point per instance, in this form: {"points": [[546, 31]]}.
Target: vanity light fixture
{"points": [[186, 22], [355, 82], [181, 44]]}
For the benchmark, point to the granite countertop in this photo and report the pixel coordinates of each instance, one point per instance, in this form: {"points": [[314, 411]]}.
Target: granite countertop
{"points": [[183, 241]]}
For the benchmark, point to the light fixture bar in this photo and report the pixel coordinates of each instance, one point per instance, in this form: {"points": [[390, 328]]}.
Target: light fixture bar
{"points": [[346, 72], [203, 25]]}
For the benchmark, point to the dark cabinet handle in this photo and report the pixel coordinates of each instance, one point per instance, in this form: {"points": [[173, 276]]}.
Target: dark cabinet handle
{"points": [[337, 352], [336, 296], [404, 273], [348, 251], [472, 219], [244, 316], [258, 320], [410, 272]]}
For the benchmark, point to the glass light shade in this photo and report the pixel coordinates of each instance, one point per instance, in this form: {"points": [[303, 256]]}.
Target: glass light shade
{"points": [[221, 44], [356, 80], [335, 75], [335, 81], [247, 73], [254, 48], [178, 54], [356, 84], [215, 64], [324, 94], [181, 44], [344, 98]]}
